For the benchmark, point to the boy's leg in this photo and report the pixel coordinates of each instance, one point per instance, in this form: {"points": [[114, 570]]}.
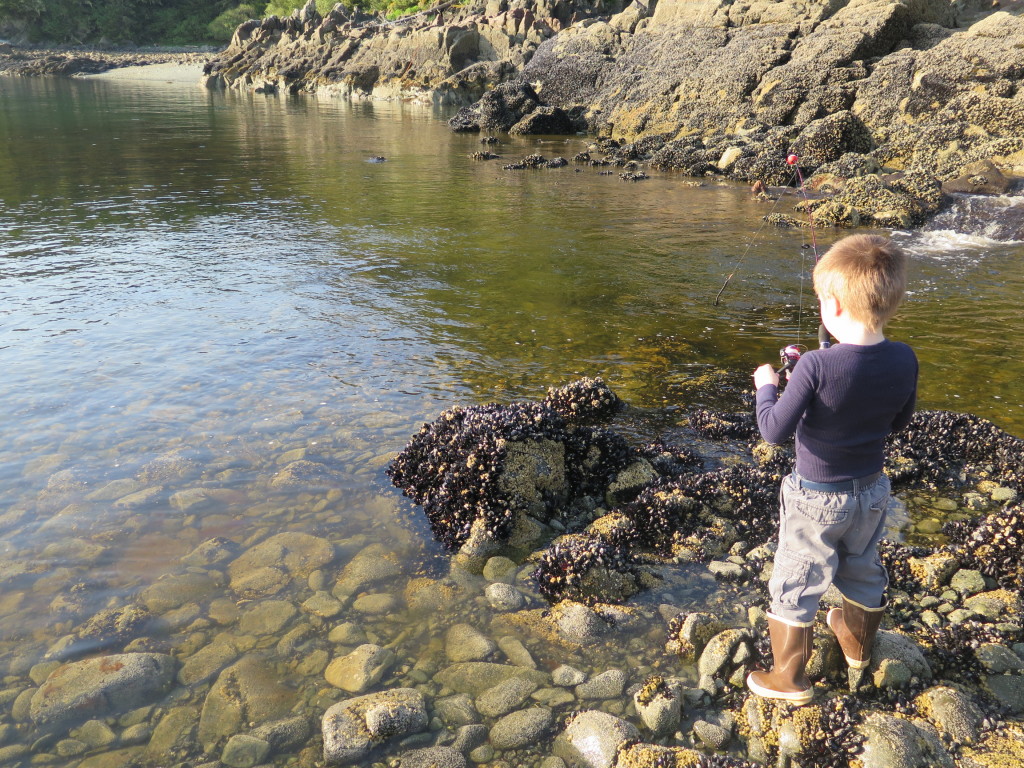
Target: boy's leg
{"points": [[809, 525], [862, 579], [860, 575]]}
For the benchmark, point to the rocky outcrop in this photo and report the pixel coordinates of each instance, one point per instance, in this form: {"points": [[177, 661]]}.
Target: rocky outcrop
{"points": [[855, 88], [450, 54]]}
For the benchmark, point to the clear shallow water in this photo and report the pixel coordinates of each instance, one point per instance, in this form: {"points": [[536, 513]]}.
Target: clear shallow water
{"points": [[225, 280]]}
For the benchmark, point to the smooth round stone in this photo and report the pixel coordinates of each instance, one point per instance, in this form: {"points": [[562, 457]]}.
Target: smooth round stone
{"points": [[593, 739], [70, 747], [500, 569], [244, 751], [136, 734], [567, 676], [504, 697], [713, 736], [466, 643], [482, 754], [322, 604], [967, 582], [606, 685], [516, 652], [1004, 495], [457, 710], [375, 604], [267, 617], [95, 733], [360, 670], [504, 597], [434, 757], [347, 634], [521, 728]]}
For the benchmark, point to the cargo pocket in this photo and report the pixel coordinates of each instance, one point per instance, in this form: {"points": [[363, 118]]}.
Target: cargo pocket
{"points": [[789, 578], [831, 510]]}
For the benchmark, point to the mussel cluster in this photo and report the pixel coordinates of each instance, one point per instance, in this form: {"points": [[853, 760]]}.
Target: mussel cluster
{"points": [[453, 467], [747, 496], [949, 649], [584, 400], [671, 461], [947, 448], [896, 559], [564, 566], [832, 739], [718, 425]]}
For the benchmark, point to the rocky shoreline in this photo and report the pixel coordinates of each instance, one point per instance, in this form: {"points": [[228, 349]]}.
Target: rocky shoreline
{"points": [[67, 62], [600, 606], [890, 106]]}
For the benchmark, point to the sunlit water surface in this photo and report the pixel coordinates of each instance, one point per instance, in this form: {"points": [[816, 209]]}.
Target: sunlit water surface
{"points": [[196, 289]]}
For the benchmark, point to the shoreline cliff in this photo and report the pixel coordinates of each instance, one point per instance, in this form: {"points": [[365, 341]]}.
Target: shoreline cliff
{"points": [[890, 104]]}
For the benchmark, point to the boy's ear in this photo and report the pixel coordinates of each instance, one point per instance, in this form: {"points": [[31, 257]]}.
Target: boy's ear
{"points": [[830, 304]]}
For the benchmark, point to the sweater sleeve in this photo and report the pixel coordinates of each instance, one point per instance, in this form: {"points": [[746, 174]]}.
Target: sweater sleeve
{"points": [[777, 418], [903, 417]]}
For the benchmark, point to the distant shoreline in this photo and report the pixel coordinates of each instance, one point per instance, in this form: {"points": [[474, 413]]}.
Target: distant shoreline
{"points": [[171, 71], [71, 62]]}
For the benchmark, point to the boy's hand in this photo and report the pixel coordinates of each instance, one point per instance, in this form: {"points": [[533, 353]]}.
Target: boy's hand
{"points": [[765, 375]]}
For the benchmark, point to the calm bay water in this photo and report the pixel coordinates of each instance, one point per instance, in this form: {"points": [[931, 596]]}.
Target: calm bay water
{"points": [[197, 287]]}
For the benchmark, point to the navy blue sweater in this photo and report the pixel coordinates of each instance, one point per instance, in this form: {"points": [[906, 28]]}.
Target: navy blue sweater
{"points": [[842, 402]]}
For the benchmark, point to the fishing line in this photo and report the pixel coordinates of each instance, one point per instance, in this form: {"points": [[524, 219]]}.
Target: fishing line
{"points": [[822, 333], [791, 354], [751, 241]]}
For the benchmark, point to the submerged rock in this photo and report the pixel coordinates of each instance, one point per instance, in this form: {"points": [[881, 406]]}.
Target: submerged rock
{"points": [[592, 739], [352, 728], [100, 686]]}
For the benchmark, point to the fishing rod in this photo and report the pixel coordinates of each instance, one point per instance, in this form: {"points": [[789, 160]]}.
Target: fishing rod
{"points": [[790, 354]]}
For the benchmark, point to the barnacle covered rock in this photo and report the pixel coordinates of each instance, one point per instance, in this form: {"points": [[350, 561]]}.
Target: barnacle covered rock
{"points": [[588, 568], [822, 733], [945, 447], [996, 547], [688, 633], [480, 471], [584, 400]]}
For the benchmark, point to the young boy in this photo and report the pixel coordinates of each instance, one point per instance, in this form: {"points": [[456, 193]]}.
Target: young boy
{"points": [[841, 402]]}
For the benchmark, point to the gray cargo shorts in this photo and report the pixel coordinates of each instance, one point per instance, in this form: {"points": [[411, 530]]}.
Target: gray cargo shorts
{"points": [[828, 537]]}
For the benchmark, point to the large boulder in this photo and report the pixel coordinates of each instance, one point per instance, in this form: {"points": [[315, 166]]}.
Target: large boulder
{"points": [[353, 728], [246, 694], [506, 105], [97, 687], [592, 739]]}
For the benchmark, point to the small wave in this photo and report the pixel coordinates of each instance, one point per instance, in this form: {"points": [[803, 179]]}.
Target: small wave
{"points": [[944, 243], [994, 219]]}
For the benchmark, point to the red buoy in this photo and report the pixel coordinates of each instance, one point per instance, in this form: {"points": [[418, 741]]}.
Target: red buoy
{"points": [[792, 160]]}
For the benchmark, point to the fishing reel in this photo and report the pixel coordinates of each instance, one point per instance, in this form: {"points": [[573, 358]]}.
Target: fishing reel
{"points": [[790, 356]]}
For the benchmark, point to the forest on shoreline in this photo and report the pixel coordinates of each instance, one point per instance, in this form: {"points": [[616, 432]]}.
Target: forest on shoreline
{"points": [[167, 22]]}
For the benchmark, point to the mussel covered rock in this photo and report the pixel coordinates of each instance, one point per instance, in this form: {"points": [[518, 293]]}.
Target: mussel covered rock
{"points": [[482, 471]]}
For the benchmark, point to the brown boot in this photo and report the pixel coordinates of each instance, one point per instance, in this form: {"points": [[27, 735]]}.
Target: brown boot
{"points": [[791, 650], [855, 626]]}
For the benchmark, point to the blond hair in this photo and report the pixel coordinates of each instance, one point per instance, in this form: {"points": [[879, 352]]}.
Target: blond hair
{"points": [[867, 274]]}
